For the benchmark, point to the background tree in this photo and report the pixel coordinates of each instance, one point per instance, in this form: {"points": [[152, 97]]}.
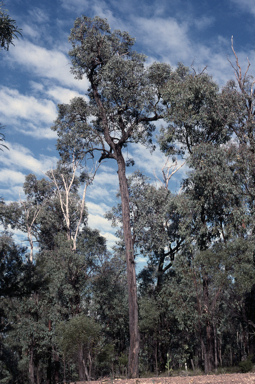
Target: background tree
{"points": [[66, 271], [18, 280], [79, 337], [154, 223]]}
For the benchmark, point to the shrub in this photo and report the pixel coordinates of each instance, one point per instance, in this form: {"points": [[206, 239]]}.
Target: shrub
{"points": [[246, 365]]}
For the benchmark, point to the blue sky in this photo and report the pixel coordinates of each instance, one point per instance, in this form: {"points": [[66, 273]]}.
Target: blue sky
{"points": [[35, 76]]}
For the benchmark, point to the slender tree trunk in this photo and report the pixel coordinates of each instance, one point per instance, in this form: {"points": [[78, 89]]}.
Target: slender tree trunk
{"points": [[133, 359], [31, 366], [209, 347], [90, 366], [220, 357], [81, 365], [64, 370], [49, 367], [38, 376], [86, 373], [156, 358], [49, 358], [209, 336], [56, 367], [215, 347], [204, 355]]}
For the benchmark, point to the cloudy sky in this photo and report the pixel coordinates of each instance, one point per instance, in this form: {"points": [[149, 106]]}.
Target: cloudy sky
{"points": [[35, 76]]}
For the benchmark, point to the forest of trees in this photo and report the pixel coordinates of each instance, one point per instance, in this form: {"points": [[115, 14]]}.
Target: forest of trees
{"points": [[71, 309]]}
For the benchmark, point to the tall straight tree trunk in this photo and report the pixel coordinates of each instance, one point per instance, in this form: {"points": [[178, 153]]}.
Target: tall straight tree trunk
{"points": [[49, 358], [133, 359], [56, 367], [215, 347], [209, 347], [209, 335], [80, 364], [220, 357], [31, 367], [64, 370], [49, 366], [204, 354]]}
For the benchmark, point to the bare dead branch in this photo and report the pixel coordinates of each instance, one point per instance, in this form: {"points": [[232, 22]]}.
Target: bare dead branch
{"points": [[166, 171], [65, 205], [30, 226], [238, 70]]}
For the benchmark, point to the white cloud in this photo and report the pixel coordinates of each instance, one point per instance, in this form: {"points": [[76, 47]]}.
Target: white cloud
{"points": [[105, 186], [19, 157], [16, 163], [203, 22], [141, 259], [99, 222], [15, 106], [33, 115], [104, 226], [165, 37], [27, 30], [111, 239], [11, 177], [107, 177], [245, 5], [38, 87], [62, 95], [38, 15], [97, 193], [38, 133], [46, 63], [146, 161], [97, 209], [12, 193]]}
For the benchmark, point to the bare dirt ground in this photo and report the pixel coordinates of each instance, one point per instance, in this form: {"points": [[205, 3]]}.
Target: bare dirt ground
{"points": [[235, 378]]}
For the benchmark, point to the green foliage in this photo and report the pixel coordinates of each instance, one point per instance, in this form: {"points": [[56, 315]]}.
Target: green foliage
{"points": [[110, 302], [167, 366], [129, 93], [35, 315], [155, 221], [246, 365], [8, 29], [79, 332], [17, 276], [192, 102], [106, 359], [123, 359], [18, 280]]}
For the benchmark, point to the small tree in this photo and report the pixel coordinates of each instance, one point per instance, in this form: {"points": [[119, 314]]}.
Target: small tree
{"points": [[78, 337]]}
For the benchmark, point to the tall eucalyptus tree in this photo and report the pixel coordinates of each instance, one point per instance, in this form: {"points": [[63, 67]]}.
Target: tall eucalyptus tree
{"points": [[122, 102]]}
